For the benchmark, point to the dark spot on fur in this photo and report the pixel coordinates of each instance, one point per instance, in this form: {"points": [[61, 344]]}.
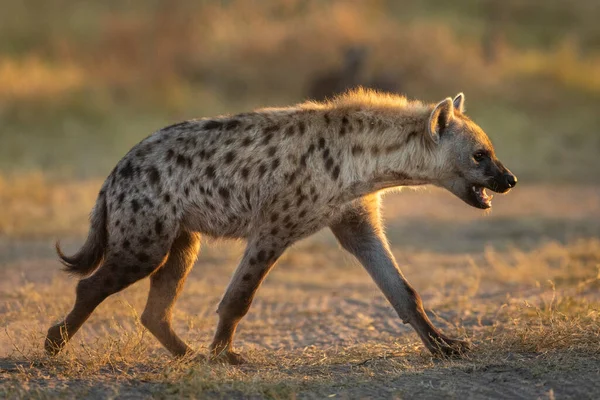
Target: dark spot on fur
{"points": [[302, 214], [301, 128], [275, 163], [210, 171], [271, 128], [327, 119], [342, 130], [135, 206], [274, 217], [311, 148], [321, 143], [289, 131], [153, 175], [126, 244], [229, 157], [262, 168], [375, 150], [186, 191], [158, 227], [247, 141], [181, 160], [212, 124], [271, 151], [143, 257], [336, 172], [127, 170], [121, 197], [303, 160], [357, 150], [252, 261], [261, 256], [141, 153], [224, 193], [274, 231], [329, 163], [245, 172], [325, 154], [267, 138], [246, 277], [167, 197], [231, 124]]}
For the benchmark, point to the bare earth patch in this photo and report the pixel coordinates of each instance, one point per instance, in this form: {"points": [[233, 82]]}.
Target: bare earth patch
{"points": [[521, 283]]}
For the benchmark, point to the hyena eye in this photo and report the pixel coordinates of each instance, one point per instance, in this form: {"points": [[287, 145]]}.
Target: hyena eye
{"points": [[479, 156]]}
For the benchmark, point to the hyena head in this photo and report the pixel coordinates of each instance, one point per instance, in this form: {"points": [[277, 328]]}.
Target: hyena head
{"points": [[465, 155]]}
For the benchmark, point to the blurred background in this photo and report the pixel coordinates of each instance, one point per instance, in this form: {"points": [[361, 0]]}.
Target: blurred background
{"points": [[83, 81]]}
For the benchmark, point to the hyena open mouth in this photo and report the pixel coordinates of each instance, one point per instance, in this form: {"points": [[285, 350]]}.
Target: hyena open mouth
{"points": [[483, 200]]}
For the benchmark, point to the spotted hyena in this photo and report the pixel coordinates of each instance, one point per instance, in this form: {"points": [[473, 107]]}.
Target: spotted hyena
{"points": [[272, 177]]}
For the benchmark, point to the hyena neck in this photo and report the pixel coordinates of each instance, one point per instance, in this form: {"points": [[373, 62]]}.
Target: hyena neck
{"points": [[379, 147]]}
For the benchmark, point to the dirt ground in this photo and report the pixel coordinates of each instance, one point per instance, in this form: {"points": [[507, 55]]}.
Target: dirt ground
{"points": [[521, 282]]}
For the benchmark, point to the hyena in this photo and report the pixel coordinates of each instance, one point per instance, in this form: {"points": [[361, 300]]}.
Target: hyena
{"points": [[272, 177]]}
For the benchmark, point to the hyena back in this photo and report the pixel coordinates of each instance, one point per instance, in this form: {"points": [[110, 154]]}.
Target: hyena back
{"points": [[272, 177]]}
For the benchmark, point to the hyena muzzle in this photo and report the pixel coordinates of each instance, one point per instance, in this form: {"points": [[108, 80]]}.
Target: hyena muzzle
{"points": [[272, 177]]}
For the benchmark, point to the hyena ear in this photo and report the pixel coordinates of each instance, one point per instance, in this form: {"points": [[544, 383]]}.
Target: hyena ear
{"points": [[439, 119], [459, 102]]}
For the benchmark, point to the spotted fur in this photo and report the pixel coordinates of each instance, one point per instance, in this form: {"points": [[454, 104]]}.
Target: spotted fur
{"points": [[271, 177]]}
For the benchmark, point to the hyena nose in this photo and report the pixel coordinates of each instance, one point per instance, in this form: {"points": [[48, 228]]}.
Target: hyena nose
{"points": [[511, 180]]}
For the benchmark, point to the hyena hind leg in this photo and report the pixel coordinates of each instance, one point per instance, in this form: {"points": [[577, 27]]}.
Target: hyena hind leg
{"points": [[165, 286], [114, 275]]}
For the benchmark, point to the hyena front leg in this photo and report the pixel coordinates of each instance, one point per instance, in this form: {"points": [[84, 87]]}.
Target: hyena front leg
{"points": [[259, 257], [165, 286], [360, 233]]}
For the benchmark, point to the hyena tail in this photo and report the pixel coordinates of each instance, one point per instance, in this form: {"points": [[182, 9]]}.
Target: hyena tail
{"points": [[87, 259]]}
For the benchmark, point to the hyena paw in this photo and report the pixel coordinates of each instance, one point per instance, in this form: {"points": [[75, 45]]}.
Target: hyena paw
{"points": [[444, 346], [55, 340], [228, 357]]}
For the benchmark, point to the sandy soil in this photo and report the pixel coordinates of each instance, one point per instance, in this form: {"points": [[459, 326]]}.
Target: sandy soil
{"points": [[320, 328]]}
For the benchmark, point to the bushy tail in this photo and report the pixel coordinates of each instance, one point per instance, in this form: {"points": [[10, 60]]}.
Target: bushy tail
{"points": [[87, 259]]}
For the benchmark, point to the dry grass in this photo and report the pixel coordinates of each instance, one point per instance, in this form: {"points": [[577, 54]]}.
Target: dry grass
{"points": [[319, 326]]}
